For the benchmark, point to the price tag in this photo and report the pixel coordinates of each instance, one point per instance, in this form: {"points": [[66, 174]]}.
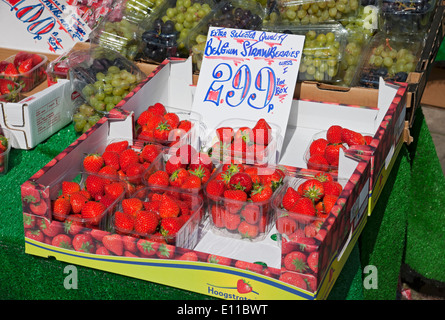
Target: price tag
{"points": [[247, 75]]}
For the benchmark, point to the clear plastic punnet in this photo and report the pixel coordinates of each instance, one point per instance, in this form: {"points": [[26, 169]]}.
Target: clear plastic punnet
{"points": [[237, 14], [323, 50], [103, 77], [239, 200], [12, 91], [406, 16], [244, 141], [6, 140], [310, 12], [390, 57]]}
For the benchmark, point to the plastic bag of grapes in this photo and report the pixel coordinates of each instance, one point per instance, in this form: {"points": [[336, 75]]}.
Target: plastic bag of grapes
{"points": [[103, 77]]}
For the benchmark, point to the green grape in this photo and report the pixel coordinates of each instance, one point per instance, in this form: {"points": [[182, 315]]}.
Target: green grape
{"points": [[388, 62], [79, 125]]}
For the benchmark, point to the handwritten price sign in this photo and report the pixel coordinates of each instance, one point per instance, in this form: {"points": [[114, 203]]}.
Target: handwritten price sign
{"points": [[247, 75]]}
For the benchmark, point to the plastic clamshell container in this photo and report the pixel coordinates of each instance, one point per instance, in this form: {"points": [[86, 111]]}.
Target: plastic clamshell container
{"points": [[182, 21], [13, 96], [102, 221], [311, 12], [57, 69], [406, 16], [191, 211], [323, 50], [228, 14], [91, 76], [242, 220], [391, 57], [30, 79], [255, 153], [5, 138], [178, 136]]}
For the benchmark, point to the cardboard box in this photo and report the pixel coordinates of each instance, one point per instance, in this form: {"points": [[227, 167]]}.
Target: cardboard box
{"points": [[202, 268]]}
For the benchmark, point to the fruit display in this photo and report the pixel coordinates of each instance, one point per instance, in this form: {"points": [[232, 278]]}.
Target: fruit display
{"points": [[229, 14], [323, 50], [406, 16], [297, 12], [10, 91], [166, 31], [25, 68], [160, 215], [244, 141], [302, 206], [123, 161], [168, 126], [239, 199], [322, 153], [5, 147], [104, 77], [182, 169], [389, 57]]}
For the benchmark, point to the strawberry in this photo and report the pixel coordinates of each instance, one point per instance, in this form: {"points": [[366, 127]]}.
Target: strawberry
{"points": [[69, 187], [243, 286], [177, 178], [36, 59], [368, 139], [93, 162], [171, 226], [132, 206], [186, 152], [77, 201], [113, 242], [168, 208], [61, 208], [323, 176], [39, 208], [150, 152], [72, 224], [158, 108], [134, 173], [305, 209], [94, 185], [114, 190], [244, 265], [117, 146], [274, 180], [172, 119], [294, 279], [262, 132], [20, 57], [295, 261], [352, 138], [93, 210], [217, 213], [111, 159], [189, 256], [243, 134], [261, 193], [247, 230], [192, 182], [332, 152], [62, 241], [232, 168], [26, 66], [290, 198], [10, 71], [318, 146], [147, 248], [215, 189], [202, 172], [159, 178], [83, 242], [173, 163], [185, 125], [213, 258], [251, 213], [234, 200], [241, 181], [146, 222], [200, 159], [318, 162], [129, 243], [333, 134], [7, 86], [312, 261], [128, 157], [286, 225], [162, 131], [231, 221], [36, 235], [166, 251], [225, 134], [328, 202], [123, 222], [312, 189], [50, 228], [144, 117], [332, 188]]}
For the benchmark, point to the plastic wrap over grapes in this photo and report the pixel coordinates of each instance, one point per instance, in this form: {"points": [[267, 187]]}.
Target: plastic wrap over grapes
{"points": [[406, 16]]}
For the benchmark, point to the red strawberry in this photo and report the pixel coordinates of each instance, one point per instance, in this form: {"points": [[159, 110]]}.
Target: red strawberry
{"points": [[295, 261], [83, 242], [168, 207], [144, 117], [72, 224], [261, 193], [332, 188], [173, 163], [134, 173], [352, 138], [225, 134], [323, 176], [123, 222], [132, 205], [171, 226], [186, 152], [202, 172], [191, 182], [113, 242], [94, 185], [92, 211], [128, 157], [117, 146], [50, 229], [162, 131], [111, 159], [189, 256], [146, 222], [251, 213], [61, 208], [244, 134], [36, 235], [243, 286], [368, 139], [26, 66], [172, 119], [312, 261], [185, 125], [262, 132], [213, 258], [62, 241], [158, 108], [232, 168], [177, 178], [114, 190], [328, 202], [39, 208], [241, 181], [20, 57], [234, 200], [318, 146], [69, 187], [286, 225], [166, 251], [312, 189], [247, 230], [217, 213], [200, 159], [305, 209], [215, 189], [159, 178], [290, 198], [294, 279], [150, 152], [147, 248], [77, 201], [10, 71], [332, 152], [7, 86], [36, 59], [231, 220], [318, 162], [333, 134]]}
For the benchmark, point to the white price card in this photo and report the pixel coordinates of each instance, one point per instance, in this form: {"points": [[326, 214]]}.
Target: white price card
{"points": [[247, 74]]}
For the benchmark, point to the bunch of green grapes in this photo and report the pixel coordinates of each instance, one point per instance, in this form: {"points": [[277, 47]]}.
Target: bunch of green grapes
{"points": [[395, 61], [85, 117], [321, 56], [110, 88], [186, 14], [138, 10], [312, 12]]}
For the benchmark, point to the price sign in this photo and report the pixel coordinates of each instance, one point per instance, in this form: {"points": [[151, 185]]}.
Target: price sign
{"points": [[247, 74]]}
